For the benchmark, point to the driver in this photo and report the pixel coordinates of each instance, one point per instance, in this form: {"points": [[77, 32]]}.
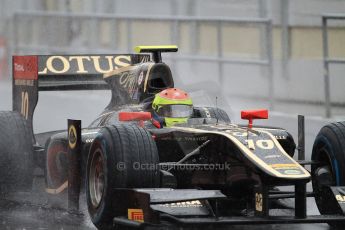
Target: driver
{"points": [[172, 106]]}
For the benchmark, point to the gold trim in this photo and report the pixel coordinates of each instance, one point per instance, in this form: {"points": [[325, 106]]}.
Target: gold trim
{"points": [[252, 156], [283, 166], [147, 76], [118, 71]]}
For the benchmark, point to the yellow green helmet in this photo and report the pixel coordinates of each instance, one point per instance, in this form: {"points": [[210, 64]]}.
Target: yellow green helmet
{"points": [[174, 105]]}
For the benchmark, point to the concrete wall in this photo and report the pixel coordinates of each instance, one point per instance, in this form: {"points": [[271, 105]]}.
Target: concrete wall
{"points": [[302, 82]]}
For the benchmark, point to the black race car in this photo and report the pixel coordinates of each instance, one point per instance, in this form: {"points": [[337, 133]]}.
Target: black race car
{"points": [[207, 171]]}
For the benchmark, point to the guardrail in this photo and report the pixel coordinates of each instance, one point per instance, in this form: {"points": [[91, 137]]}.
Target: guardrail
{"points": [[55, 32], [327, 60]]}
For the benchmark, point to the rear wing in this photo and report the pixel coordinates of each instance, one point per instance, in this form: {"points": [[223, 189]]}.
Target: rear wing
{"points": [[35, 73]]}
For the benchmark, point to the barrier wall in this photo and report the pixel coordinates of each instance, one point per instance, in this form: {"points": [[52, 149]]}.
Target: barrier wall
{"points": [[206, 41]]}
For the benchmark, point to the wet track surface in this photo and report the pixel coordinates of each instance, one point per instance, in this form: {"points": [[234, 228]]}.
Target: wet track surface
{"points": [[22, 214], [35, 210], [18, 215]]}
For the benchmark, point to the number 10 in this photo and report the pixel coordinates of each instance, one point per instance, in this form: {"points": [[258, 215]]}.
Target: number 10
{"points": [[25, 105], [262, 144]]}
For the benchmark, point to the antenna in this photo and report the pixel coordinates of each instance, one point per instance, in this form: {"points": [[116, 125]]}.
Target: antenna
{"points": [[217, 110]]}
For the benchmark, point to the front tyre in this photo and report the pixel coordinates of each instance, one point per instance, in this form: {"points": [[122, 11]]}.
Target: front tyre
{"points": [[115, 159], [329, 151]]}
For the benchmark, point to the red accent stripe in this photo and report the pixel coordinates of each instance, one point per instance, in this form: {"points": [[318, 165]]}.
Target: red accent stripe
{"points": [[134, 116]]}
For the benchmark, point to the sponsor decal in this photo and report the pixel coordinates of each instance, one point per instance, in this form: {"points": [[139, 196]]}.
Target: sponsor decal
{"points": [[136, 215], [186, 204], [21, 82], [272, 156], [292, 172], [185, 138], [200, 138], [25, 68], [207, 113], [287, 169], [89, 140], [25, 105], [340, 198], [141, 78], [279, 137], [258, 202], [72, 137], [82, 64], [127, 80]]}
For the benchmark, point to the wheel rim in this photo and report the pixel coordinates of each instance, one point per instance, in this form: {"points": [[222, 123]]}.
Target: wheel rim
{"points": [[324, 174], [96, 178], [323, 177], [56, 168]]}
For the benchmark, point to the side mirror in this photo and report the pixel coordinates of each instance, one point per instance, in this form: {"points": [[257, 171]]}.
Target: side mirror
{"points": [[250, 115], [134, 116]]}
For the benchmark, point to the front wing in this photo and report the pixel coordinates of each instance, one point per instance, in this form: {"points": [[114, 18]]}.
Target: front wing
{"points": [[143, 208]]}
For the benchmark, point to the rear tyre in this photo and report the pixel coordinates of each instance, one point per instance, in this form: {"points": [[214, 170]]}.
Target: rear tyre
{"points": [[114, 161], [210, 112], [329, 151], [16, 153]]}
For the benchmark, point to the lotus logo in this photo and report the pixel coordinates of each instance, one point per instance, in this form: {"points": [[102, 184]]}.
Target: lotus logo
{"points": [[72, 137], [258, 202], [82, 64]]}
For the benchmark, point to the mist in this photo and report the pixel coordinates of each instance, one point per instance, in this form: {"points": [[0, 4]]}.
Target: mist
{"points": [[233, 54]]}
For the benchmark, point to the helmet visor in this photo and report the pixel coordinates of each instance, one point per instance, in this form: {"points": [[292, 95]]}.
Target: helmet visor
{"points": [[175, 111]]}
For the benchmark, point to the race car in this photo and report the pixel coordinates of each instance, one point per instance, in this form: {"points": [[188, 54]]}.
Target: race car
{"points": [[137, 174]]}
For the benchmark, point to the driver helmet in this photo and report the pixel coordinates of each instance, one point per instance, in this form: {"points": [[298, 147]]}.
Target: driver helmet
{"points": [[173, 106]]}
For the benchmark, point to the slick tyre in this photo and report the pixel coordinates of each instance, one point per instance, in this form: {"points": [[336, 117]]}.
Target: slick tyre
{"points": [[16, 153], [210, 112], [329, 151], [115, 159]]}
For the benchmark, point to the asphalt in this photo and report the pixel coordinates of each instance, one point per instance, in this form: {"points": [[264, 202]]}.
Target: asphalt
{"points": [[34, 211]]}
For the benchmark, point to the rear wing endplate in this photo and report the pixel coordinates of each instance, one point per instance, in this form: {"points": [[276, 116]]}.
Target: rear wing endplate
{"points": [[35, 73]]}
